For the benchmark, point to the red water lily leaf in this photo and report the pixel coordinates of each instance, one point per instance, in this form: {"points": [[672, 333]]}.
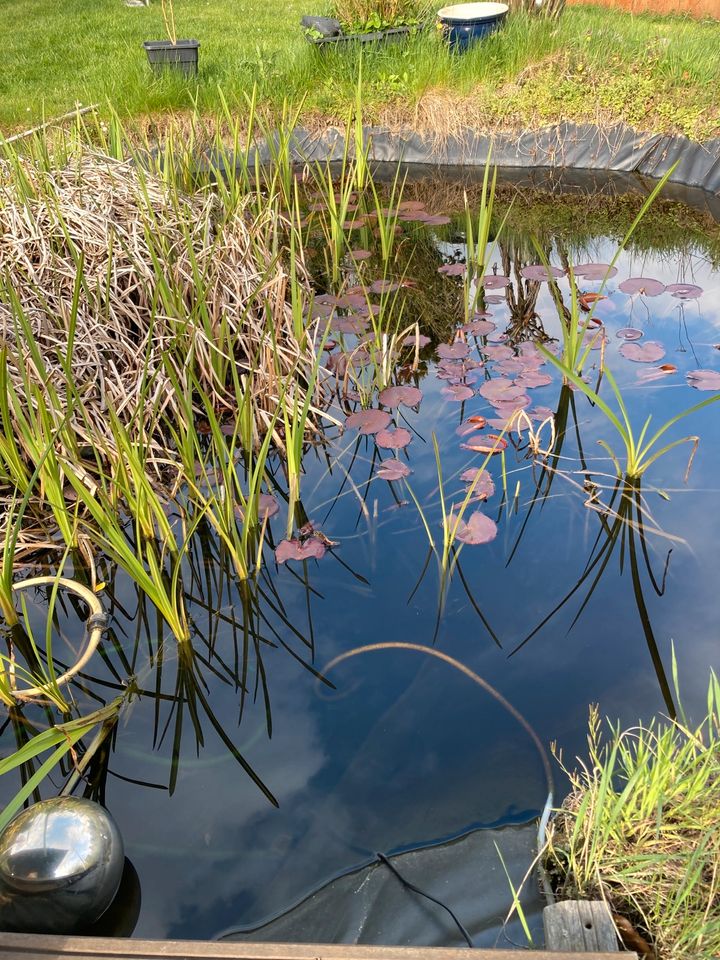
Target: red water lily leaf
{"points": [[685, 291], [471, 425], [385, 286], [478, 529], [394, 396], [649, 352], [453, 351], [498, 351], [369, 421], [481, 328], [645, 286], [453, 269], [595, 271], [532, 379], [629, 333], [416, 339], [500, 389], [360, 254], [484, 484], [495, 281], [539, 271], [393, 470], [490, 443], [310, 549], [393, 439], [704, 379], [458, 392]]}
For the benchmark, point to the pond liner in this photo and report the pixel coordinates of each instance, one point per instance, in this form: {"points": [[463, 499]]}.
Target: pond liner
{"points": [[618, 149], [371, 905]]}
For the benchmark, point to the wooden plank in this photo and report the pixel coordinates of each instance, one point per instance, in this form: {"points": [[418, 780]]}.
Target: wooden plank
{"points": [[580, 925], [23, 946]]}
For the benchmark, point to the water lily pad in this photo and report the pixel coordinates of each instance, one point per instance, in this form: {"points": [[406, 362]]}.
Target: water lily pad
{"points": [[393, 470], [453, 351], [457, 392], [393, 439], [385, 286], [595, 271], [480, 328], [394, 396], [471, 425], [645, 286], [484, 484], [490, 443], [629, 333], [495, 281], [494, 298], [478, 529], [533, 379], [540, 272], [704, 379], [500, 389], [369, 421], [649, 352], [453, 269], [419, 340], [498, 351], [310, 549], [685, 291], [360, 254]]}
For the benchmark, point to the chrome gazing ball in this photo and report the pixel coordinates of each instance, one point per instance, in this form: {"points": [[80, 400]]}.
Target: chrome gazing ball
{"points": [[61, 862]]}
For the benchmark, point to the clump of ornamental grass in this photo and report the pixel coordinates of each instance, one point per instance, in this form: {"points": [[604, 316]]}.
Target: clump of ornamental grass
{"points": [[640, 830]]}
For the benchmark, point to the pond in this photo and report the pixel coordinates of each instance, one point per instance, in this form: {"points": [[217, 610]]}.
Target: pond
{"points": [[577, 591]]}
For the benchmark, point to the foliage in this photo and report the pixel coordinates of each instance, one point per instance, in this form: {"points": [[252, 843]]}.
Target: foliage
{"points": [[639, 830]]}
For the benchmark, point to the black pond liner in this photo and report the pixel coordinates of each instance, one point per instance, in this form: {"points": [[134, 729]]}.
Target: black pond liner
{"points": [[377, 36], [372, 905], [568, 147]]}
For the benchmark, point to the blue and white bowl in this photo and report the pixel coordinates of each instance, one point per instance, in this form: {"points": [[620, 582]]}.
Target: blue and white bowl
{"points": [[463, 23]]}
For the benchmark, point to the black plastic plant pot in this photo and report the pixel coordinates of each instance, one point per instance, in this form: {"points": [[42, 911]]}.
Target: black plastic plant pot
{"points": [[164, 55]]}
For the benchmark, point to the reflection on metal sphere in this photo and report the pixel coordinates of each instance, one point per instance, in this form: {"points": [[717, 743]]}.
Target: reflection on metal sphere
{"points": [[61, 861]]}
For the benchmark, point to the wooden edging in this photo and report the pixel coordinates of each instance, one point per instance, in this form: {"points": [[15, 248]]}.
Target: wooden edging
{"points": [[25, 946]]}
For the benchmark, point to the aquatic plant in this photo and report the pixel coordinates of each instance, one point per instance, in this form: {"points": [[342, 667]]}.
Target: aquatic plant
{"points": [[639, 830]]}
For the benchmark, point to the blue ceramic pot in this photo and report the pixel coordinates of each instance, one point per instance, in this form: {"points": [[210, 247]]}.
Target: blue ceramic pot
{"points": [[465, 23]]}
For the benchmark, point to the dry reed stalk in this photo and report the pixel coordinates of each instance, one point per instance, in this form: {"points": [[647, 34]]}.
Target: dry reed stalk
{"points": [[174, 287]]}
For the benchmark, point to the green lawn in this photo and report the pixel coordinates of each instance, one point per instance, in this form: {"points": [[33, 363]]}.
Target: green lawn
{"points": [[655, 73]]}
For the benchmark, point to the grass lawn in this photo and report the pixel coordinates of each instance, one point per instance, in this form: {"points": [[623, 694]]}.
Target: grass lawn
{"points": [[657, 73]]}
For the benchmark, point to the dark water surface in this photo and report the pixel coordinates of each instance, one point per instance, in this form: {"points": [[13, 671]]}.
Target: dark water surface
{"points": [[405, 750]]}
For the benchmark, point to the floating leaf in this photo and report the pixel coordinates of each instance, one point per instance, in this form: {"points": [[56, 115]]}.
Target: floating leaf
{"points": [[629, 333], [484, 484], [495, 281], [586, 300], [453, 269], [481, 328], [369, 421], [393, 439], [533, 379], [540, 272], [310, 549], [500, 389], [385, 286], [498, 351], [494, 298], [595, 271], [704, 379], [394, 396], [476, 422], [457, 392], [685, 291], [360, 254], [453, 351], [416, 339], [491, 443], [478, 529], [645, 286], [648, 352], [393, 470]]}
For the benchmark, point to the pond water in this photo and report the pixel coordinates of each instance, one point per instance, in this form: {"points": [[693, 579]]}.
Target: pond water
{"points": [[567, 605]]}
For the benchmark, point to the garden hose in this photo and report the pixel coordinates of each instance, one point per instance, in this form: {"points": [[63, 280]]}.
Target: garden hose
{"points": [[94, 627]]}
